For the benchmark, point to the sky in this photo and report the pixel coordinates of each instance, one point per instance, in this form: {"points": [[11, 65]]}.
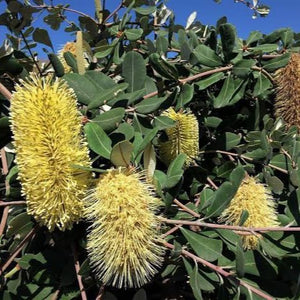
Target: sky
{"points": [[284, 13]]}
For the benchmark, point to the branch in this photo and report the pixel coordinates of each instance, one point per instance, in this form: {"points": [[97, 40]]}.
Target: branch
{"points": [[114, 12], [230, 227], [5, 92], [28, 237], [8, 203], [188, 210], [77, 269], [3, 220], [221, 271]]}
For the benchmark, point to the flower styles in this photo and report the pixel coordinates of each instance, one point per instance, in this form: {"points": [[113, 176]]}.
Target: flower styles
{"points": [[257, 200], [183, 137], [47, 138], [287, 99], [123, 238]]}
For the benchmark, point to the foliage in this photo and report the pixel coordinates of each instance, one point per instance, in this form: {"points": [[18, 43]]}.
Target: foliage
{"points": [[140, 64]]}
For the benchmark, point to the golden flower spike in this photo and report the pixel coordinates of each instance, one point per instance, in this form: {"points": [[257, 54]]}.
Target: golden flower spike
{"points": [[258, 201], [183, 137], [123, 239], [287, 101], [47, 137]]}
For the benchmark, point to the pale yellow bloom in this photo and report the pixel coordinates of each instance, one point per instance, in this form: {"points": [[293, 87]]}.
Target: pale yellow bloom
{"points": [[123, 238], [183, 137], [258, 201], [47, 137]]}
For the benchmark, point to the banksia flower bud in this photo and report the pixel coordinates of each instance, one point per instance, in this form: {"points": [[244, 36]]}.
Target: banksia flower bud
{"points": [[288, 92], [183, 137], [123, 238], [257, 200], [47, 138], [71, 47]]}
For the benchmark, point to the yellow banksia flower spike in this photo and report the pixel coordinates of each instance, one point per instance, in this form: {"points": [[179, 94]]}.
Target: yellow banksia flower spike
{"points": [[183, 137], [258, 201], [48, 142], [71, 47], [123, 240], [287, 101]]}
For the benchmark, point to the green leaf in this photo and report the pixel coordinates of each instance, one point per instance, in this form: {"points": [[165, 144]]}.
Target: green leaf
{"points": [[175, 170], [253, 37], [162, 67], [103, 51], [212, 122], [195, 279], [185, 96], [110, 119], [225, 94], [262, 84], [264, 48], [147, 106], [41, 36], [134, 71], [214, 78], [148, 10], [148, 138], [243, 67], [57, 65], [107, 95], [207, 56], [221, 200], [121, 154], [231, 140], [133, 34], [240, 260], [163, 122], [228, 36], [18, 224], [206, 248], [98, 140], [149, 161], [276, 63], [140, 295]]}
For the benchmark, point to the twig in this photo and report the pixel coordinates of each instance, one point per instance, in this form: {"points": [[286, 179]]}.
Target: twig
{"points": [[77, 269], [172, 230], [66, 9], [114, 12], [230, 227], [101, 292], [262, 70], [5, 92], [55, 295], [8, 203], [3, 219], [22, 244], [30, 52], [193, 213], [212, 183], [221, 271]]}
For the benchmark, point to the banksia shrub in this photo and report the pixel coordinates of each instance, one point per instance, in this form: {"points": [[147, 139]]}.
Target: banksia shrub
{"points": [[47, 138], [254, 198], [123, 238], [183, 137], [288, 92]]}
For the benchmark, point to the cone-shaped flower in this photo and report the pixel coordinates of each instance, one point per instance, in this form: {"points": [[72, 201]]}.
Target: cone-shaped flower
{"points": [[47, 138], [71, 47], [123, 239], [257, 200], [183, 137], [287, 100]]}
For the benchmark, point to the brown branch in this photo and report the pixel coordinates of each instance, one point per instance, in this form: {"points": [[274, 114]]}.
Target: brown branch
{"points": [[114, 12], [212, 183], [5, 92], [266, 73], [221, 271], [3, 219], [22, 244], [172, 230], [185, 208], [8, 203], [230, 227], [77, 269], [66, 9]]}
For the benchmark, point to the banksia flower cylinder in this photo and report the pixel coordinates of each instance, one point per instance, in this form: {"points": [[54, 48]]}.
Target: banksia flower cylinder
{"points": [[287, 100], [48, 142], [257, 200], [183, 137], [123, 238]]}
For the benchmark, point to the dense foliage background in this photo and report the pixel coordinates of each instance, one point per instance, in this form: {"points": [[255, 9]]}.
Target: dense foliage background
{"points": [[132, 65]]}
